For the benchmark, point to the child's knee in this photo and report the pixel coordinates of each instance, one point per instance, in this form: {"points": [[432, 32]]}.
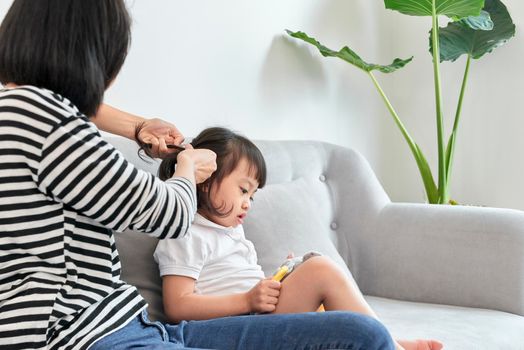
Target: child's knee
{"points": [[324, 271], [318, 263], [321, 266]]}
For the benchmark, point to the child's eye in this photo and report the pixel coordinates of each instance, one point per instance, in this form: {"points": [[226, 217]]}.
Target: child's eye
{"points": [[251, 199], [244, 191]]}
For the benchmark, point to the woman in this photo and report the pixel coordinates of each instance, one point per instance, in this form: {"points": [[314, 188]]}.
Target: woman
{"points": [[63, 189]]}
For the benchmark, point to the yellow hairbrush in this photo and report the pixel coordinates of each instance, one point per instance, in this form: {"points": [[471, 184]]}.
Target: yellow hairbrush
{"points": [[289, 265], [281, 272]]}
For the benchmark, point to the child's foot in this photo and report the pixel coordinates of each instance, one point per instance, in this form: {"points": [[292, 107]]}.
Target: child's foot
{"points": [[419, 344]]}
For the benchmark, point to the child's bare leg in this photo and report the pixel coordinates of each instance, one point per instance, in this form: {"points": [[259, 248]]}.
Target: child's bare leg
{"points": [[320, 281]]}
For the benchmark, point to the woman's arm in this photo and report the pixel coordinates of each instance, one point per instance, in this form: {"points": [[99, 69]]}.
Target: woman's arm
{"points": [[81, 170], [116, 121], [181, 303], [154, 131]]}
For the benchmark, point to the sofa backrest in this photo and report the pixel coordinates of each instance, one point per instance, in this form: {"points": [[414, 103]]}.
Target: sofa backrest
{"points": [[318, 197]]}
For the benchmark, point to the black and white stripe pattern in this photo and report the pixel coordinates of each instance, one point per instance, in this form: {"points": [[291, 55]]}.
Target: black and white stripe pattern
{"points": [[63, 189]]}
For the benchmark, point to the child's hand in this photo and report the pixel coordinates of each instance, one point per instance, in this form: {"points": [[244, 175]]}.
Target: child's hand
{"points": [[263, 297]]}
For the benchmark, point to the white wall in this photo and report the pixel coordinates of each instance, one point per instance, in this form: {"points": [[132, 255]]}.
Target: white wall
{"points": [[489, 158], [205, 62], [201, 63]]}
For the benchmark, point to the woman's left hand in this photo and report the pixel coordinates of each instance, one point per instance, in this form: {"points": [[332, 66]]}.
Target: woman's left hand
{"points": [[159, 133]]}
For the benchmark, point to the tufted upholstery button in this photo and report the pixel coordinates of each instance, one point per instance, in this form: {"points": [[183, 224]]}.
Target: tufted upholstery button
{"points": [[334, 225], [322, 178]]}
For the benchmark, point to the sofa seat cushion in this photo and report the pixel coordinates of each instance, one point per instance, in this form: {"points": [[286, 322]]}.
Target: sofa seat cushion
{"points": [[459, 328]]}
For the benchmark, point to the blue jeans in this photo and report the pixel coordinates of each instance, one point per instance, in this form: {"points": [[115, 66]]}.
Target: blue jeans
{"points": [[314, 330]]}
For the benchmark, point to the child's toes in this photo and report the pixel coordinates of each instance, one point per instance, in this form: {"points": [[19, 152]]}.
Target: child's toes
{"points": [[435, 345], [423, 344]]}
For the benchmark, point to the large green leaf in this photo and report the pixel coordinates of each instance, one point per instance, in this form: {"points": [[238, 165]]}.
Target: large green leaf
{"points": [[427, 177], [458, 39], [451, 8], [350, 56], [481, 22]]}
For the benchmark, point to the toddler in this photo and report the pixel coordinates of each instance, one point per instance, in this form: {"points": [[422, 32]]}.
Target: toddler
{"points": [[213, 272]]}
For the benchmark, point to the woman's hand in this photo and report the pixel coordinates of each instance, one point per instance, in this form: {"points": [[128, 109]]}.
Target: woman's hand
{"points": [[159, 133], [196, 164], [155, 132], [263, 297]]}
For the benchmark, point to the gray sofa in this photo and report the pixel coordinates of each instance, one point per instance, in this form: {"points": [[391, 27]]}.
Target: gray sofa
{"points": [[451, 273]]}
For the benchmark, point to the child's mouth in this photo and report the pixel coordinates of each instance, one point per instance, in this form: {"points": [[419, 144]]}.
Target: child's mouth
{"points": [[241, 218]]}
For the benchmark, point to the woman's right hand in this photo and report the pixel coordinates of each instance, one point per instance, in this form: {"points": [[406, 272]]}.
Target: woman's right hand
{"points": [[263, 297], [201, 163]]}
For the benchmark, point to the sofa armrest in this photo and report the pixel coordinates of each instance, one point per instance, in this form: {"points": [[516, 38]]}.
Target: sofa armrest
{"points": [[466, 256]]}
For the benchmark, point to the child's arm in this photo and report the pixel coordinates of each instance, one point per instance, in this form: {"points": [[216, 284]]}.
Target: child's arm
{"points": [[181, 303]]}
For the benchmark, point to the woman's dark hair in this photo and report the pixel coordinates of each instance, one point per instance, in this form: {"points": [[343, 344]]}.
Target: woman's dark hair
{"points": [[74, 48], [230, 149]]}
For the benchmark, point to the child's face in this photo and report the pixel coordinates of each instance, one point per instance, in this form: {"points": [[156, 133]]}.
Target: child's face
{"points": [[234, 193]]}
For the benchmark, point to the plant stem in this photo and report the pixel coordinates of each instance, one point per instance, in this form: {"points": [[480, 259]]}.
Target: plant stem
{"points": [[461, 97], [425, 171], [442, 180], [392, 111], [451, 151]]}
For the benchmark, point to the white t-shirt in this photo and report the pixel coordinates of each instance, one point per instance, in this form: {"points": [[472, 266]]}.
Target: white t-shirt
{"points": [[220, 259]]}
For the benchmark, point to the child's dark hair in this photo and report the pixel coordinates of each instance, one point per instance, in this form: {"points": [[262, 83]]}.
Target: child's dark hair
{"points": [[230, 149]]}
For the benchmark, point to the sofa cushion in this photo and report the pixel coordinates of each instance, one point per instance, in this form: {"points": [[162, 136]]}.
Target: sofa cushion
{"points": [[458, 328], [139, 269], [294, 216]]}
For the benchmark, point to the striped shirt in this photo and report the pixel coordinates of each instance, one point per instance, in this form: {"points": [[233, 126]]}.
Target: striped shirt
{"points": [[63, 189]]}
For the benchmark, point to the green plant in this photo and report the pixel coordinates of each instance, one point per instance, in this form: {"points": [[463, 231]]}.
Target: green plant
{"points": [[476, 27]]}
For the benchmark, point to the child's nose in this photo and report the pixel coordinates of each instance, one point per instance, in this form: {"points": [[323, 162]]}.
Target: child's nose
{"points": [[246, 204]]}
